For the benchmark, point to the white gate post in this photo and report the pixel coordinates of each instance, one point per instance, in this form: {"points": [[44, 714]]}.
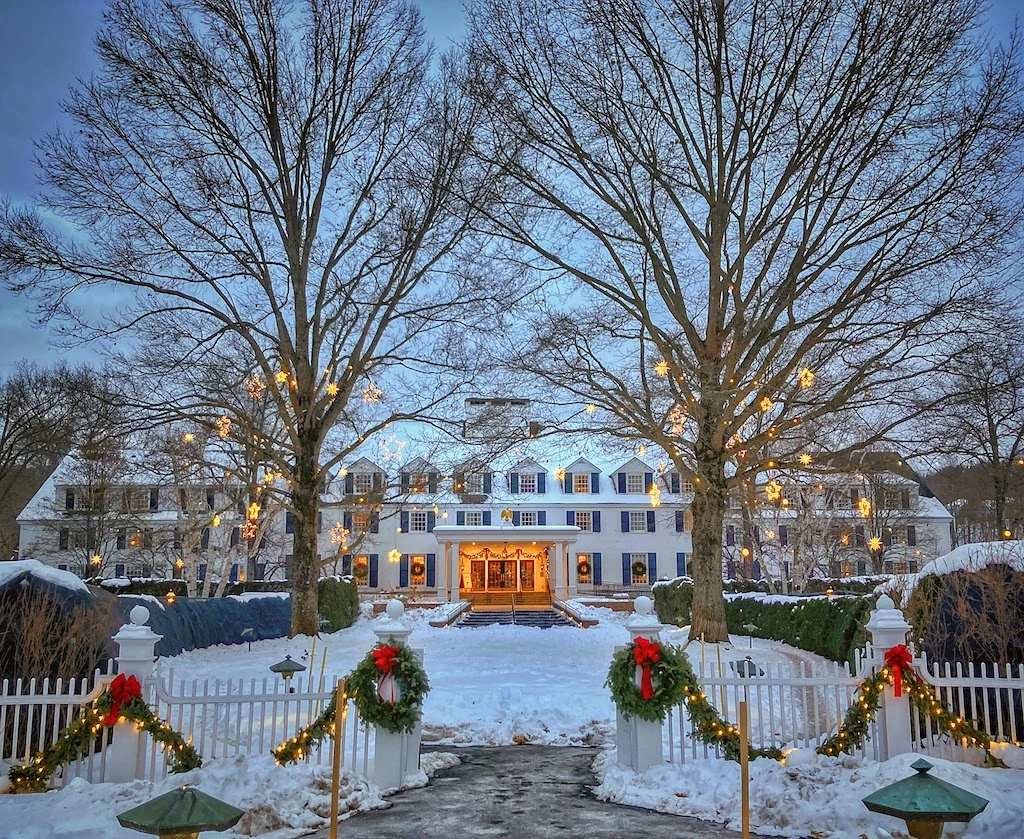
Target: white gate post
{"points": [[136, 650], [638, 742], [888, 629], [395, 755]]}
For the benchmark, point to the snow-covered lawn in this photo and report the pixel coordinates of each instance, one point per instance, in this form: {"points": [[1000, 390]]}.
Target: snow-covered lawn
{"points": [[810, 796]]}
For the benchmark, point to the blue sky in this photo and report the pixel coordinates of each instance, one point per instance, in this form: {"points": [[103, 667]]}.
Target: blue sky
{"points": [[46, 44]]}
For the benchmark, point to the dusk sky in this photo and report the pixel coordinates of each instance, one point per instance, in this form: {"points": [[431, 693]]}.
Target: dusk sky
{"points": [[46, 44]]}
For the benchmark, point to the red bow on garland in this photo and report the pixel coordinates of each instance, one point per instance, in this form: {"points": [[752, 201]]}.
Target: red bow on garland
{"points": [[646, 653], [899, 659], [122, 691], [384, 657]]}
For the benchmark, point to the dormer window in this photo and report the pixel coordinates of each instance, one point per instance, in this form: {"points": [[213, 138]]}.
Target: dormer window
{"points": [[418, 482], [634, 483], [528, 482], [362, 482], [475, 483], [581, 483]]}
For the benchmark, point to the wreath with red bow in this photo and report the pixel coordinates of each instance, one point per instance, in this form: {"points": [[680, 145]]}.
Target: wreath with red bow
{"points": [[388, 687], [121, 702], [647, 679]]}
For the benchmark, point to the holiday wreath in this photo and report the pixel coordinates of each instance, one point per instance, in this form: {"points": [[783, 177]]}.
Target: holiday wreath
{"points": [[121, 702], [666, 679]]}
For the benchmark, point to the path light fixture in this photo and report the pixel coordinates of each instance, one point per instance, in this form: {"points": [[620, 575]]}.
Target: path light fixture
{"points": [[181, 813], [171, 597], [247, 635], [287, 669], [925, 803], [829, 593], [750, 629]]}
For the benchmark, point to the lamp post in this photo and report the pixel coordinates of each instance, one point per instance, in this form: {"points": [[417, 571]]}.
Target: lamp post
{"points": [[287, 669], [181, 813]]}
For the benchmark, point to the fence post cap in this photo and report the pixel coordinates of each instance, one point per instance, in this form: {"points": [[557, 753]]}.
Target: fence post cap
{"points": [[395, 609], [643, 605], [139, 615]]}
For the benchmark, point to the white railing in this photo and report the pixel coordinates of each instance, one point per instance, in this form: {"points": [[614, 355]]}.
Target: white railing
{"points": [[790, 706], [33, 713], [989, 696], [224, 718]]}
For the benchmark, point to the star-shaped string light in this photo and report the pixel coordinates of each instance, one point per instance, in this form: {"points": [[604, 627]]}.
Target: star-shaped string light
{"points": [[339, 534], [256, 386], [661, 368], [655, 494], [372, 393], [766, 404], [223, 424], [332, 389], [392, 448], [805, 378]]}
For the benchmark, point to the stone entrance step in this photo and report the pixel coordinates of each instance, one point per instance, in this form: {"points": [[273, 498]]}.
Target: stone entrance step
{"points": [[543, 618]]}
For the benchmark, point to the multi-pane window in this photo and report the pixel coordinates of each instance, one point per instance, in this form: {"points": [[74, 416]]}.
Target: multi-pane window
{"points": [[583, 521], [638, 569], [361, 569], [475, 483], [418, 521], [581, 483], [634, 483], [418, 482], [687, 487], [362, 482], [474, 518], [360, 522], [687, 521], [528, 482], [637, 521], [417, 570], [528, 519]]}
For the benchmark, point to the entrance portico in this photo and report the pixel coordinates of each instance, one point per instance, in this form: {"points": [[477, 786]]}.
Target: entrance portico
{"points": [[506, 558]]}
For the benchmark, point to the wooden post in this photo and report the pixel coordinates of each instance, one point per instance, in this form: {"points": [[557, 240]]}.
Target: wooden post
{"points": [[724, 708], [340, 703], [744, 770]]}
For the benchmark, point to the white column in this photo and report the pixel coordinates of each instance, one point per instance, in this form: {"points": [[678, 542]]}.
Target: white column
{"points": [[442, 572], [888, 629], [573, 571], [453, 579], [638, 742], [395, 755], [136, 644], [559, 564]]}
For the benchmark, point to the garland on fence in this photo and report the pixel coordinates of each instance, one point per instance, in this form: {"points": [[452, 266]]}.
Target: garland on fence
{"points": [[387, 686], [292, 751], [900, 674], [667, 679], [120, 702]]}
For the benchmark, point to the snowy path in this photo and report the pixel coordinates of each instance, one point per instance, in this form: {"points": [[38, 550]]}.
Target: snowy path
{"points": [[532, 792]]}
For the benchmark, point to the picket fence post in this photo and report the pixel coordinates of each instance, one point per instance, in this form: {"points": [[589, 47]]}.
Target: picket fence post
{"points": [[395, 755], [888, 629], [136, 644], [638, 742]]}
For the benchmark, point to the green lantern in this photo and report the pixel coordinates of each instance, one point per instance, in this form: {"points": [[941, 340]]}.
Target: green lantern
{"points": [[182, 813]]}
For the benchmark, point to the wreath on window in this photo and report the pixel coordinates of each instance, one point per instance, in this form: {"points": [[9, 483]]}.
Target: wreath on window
{"points": [[639, 569], [360, 570], [417, 567], [584, 568]]}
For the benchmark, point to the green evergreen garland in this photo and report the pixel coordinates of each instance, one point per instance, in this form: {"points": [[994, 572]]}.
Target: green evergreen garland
{"points": [[76, 741]]}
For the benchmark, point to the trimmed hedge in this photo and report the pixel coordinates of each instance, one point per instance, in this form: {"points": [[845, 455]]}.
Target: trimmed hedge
{"points": [[833, 629], [339, 602]]}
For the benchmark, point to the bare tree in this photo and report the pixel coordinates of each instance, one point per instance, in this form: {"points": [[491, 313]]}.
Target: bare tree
{"points": [[979, 422], [779, 204], [290, 180]]}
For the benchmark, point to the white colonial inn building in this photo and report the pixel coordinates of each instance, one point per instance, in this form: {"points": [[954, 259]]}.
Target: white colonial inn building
{"points": [[524, 524]]}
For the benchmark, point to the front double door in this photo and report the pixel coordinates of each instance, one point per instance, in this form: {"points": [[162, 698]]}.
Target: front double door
{"points": [[503, 574]]}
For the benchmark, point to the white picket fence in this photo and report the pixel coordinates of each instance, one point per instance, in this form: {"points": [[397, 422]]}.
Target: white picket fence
{"points": [[224, 718], [33, 713]]}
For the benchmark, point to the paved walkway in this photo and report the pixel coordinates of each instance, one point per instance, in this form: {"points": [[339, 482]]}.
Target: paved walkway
{"points": [[532, 792]]}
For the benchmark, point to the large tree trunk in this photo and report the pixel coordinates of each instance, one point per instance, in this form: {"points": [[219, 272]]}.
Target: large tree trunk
{"points": [[708, 514], [305, 500]]}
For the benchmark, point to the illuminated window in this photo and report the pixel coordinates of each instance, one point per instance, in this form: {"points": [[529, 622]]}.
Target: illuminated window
{"points": [[360, 522], [581, 483], [362, 482], [638, 569], [687, 486], [417, 570], [584, 569], [583, 521], [361, 569], [475, 483]]}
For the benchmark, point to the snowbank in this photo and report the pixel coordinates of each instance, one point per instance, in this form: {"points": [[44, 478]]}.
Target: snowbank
{"points": [[14, 571], [971, 557], [812, 796], [280, 802]]}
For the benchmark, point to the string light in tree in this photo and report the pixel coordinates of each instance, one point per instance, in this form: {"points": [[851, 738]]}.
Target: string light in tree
{"points": [[215, 521], [249, 530], [805, 459], [254, 511], [223, 424], [281, 377], [766, 404], [189, 437], [394, 556], [339, 534], [805, 378], [641, 450], [391, 449], [591, 408], [560, 473], [773, 490], [661, 368], [864, 506], [655, 494], [372, 393], [256, 386], [332, 389], [677, 419]]}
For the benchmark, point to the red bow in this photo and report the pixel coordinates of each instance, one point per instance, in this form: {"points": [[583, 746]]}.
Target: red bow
{"points": [[122, 691], [646, 653], [384, 656], [899, 659]]}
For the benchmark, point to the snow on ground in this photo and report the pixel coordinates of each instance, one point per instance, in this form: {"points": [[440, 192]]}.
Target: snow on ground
{"points": [[812, 795], [280, 802], [17, 567]]}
